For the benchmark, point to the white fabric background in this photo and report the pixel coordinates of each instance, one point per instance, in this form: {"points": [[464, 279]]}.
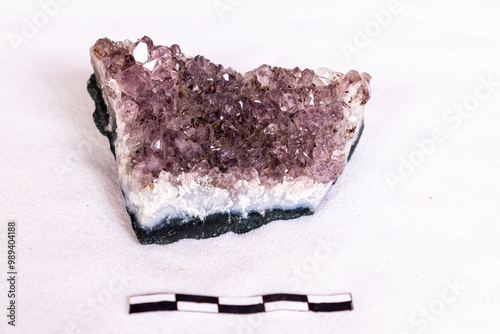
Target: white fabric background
{"points": [[396, 249]]}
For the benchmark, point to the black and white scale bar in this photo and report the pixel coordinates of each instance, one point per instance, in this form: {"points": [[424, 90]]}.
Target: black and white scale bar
{"points": [[240, 305]]}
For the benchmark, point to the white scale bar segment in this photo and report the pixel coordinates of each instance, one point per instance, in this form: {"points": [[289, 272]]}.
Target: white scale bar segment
{"points": [[340, 298], [197, 307], [285, 305], [240, 301], [161, 297]]}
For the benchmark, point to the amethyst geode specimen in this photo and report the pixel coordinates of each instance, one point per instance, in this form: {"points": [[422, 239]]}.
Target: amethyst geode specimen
{"points": [[203, 150]]}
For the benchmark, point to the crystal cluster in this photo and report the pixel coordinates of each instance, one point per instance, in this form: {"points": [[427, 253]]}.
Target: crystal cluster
{"points": [[176, 122]]}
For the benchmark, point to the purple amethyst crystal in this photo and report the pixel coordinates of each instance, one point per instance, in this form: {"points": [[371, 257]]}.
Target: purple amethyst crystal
{"points": [[203, 150]]}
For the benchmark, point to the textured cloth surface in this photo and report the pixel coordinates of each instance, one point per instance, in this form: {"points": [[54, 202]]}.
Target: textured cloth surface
{"points": [[411, 228]]}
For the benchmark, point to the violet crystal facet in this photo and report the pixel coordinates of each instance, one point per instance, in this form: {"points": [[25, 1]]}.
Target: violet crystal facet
{"points": [[203, 150]]}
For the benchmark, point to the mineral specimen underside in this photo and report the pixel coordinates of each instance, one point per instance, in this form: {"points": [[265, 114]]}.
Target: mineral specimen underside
{"points": [[203, 150]]}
